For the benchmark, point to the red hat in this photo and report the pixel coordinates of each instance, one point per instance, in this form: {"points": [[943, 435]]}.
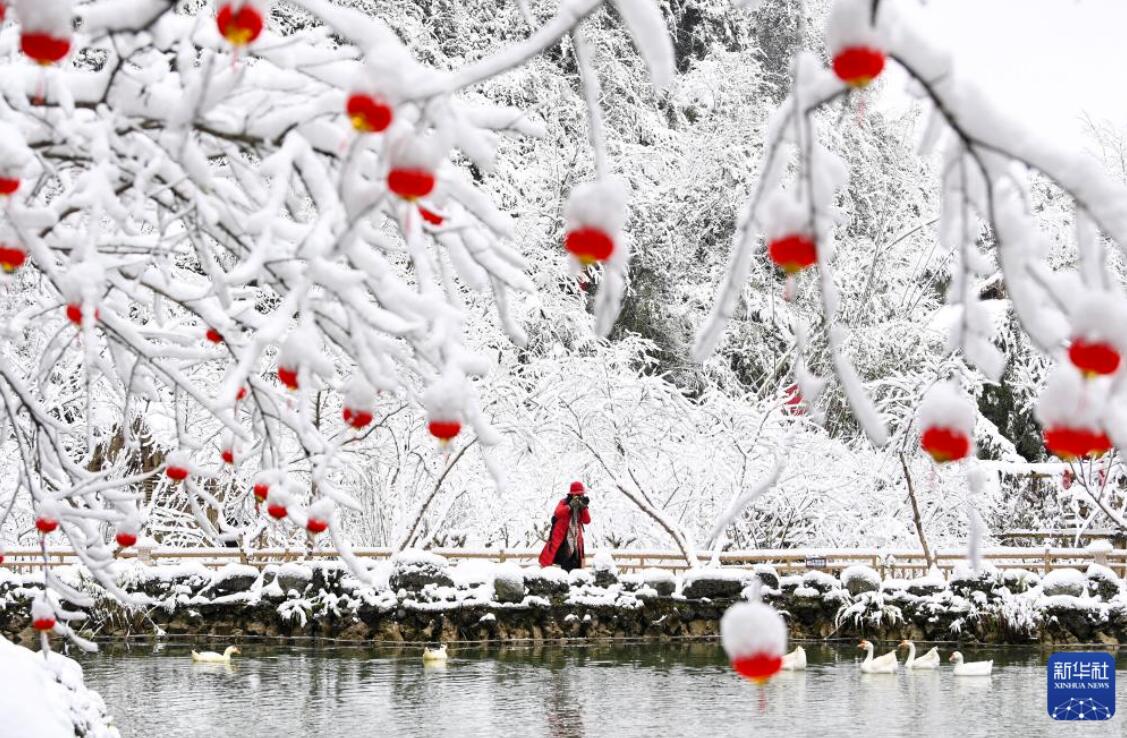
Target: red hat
{"points": [[576, 488]]}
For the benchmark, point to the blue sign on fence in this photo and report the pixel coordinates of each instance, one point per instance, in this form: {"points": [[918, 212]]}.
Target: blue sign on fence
{"points": [[1081, 686]]}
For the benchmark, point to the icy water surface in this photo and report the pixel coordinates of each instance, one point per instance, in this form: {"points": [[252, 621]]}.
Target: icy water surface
{"points": [[614, 691]]}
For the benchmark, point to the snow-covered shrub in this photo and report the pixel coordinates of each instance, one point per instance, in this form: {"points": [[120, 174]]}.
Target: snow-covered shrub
{"points": [[413, 570], [1018, 581], [1103, 582], [1064, 581], [46, 698], [713, 583], [860, 578], [604, 569], [869, 609], [821, 581], [231, 579], [660, 581], [550, 581], [294, 576], [965, 580]]}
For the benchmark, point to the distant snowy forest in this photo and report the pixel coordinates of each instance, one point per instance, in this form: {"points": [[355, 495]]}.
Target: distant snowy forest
{"points": [[186, 249]]}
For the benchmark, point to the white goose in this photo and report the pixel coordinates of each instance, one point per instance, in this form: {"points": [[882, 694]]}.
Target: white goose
{"points": [[929, 660], [434, 655], [972, 668], [211, 657], [795, 660], [886, 664]]}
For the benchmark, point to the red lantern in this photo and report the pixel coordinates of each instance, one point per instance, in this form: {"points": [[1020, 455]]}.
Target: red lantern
{"points": [[431, 217], [276, 510], [11, 258], [316, 525], [1095, 358], [589, 245], [857, 66], [43, 624], [177, 473], [261, 490], [43, 48], [356, 418], [368, 114], [241, 394], [759, 667], [444, 430], [239, 27], [8, 185], [74, 313], [214, 336], [228, 455], [125, 539], [945, 444], [288, 377], [1075, 443], [410, 184], [46, 525], [792, 253]]}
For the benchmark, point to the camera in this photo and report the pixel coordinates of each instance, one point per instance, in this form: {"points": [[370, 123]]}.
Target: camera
{"points": [[580, 500]]}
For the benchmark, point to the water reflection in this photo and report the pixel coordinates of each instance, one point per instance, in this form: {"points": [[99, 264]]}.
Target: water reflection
{"points": [[613, 691]]}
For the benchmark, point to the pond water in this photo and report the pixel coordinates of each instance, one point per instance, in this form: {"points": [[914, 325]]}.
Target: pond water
{"points": [[594, 690]]}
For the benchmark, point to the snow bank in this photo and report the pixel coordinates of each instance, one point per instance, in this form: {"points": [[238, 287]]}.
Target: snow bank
{"points": [[1068, 582], [46, 698]]}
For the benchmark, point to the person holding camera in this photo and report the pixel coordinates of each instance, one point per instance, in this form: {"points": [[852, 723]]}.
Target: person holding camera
{"points": [[565, 541]]}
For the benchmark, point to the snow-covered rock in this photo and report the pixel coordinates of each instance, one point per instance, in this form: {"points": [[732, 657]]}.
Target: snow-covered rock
{"points": [[508, 583], [46, 698], [604, 569], [660, 581], [714, 583], [232, 579], [1067, 582], [820, 581], [413, 570], [547, 581], [767, 574], [860, 578], [292, 575], [1102, 582], [1020, 580]]}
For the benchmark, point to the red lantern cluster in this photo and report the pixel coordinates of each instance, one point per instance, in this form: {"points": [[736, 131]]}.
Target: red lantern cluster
{"points": [[239, 27], [45, 524], [356, 418], [410, 183], [589, 245], [11, 258], [369, 114], [288, 376], [44, 48], [857, 66], [8, 185], [793, 253], [945, 444], [1094, 358], [444, 430], [1069, 443]]}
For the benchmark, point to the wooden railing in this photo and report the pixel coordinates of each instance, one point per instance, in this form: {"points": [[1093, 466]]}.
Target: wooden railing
{"points": [[890, 563]]}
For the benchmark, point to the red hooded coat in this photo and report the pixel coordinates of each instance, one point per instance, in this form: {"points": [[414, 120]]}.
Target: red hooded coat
{"points": [[560, 521]]}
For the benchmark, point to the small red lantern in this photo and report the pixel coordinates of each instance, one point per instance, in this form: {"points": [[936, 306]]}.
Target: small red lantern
{"points": [[43, 624], [261, 490], [228, 455], [589, 245], [857, 66], [11, 258], [8, 185], [241, 394], [410, 184], [1093, 358], [74, 313], [45, 524], [368, 114], [1070, 444], [288, 377], [125, 539], [44, 48], [276, 510], [176, 473], [316, 525], [444, 430], [356, 418], [239, 27], [793, 253], [431, 217], [945, 444], [214, 336], [759, 667]]}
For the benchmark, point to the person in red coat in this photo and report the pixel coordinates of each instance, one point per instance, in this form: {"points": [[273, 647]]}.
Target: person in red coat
{"points": [[565, 542]]}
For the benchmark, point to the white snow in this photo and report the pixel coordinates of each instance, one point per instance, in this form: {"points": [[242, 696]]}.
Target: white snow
{"points": [[751, 628]]}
